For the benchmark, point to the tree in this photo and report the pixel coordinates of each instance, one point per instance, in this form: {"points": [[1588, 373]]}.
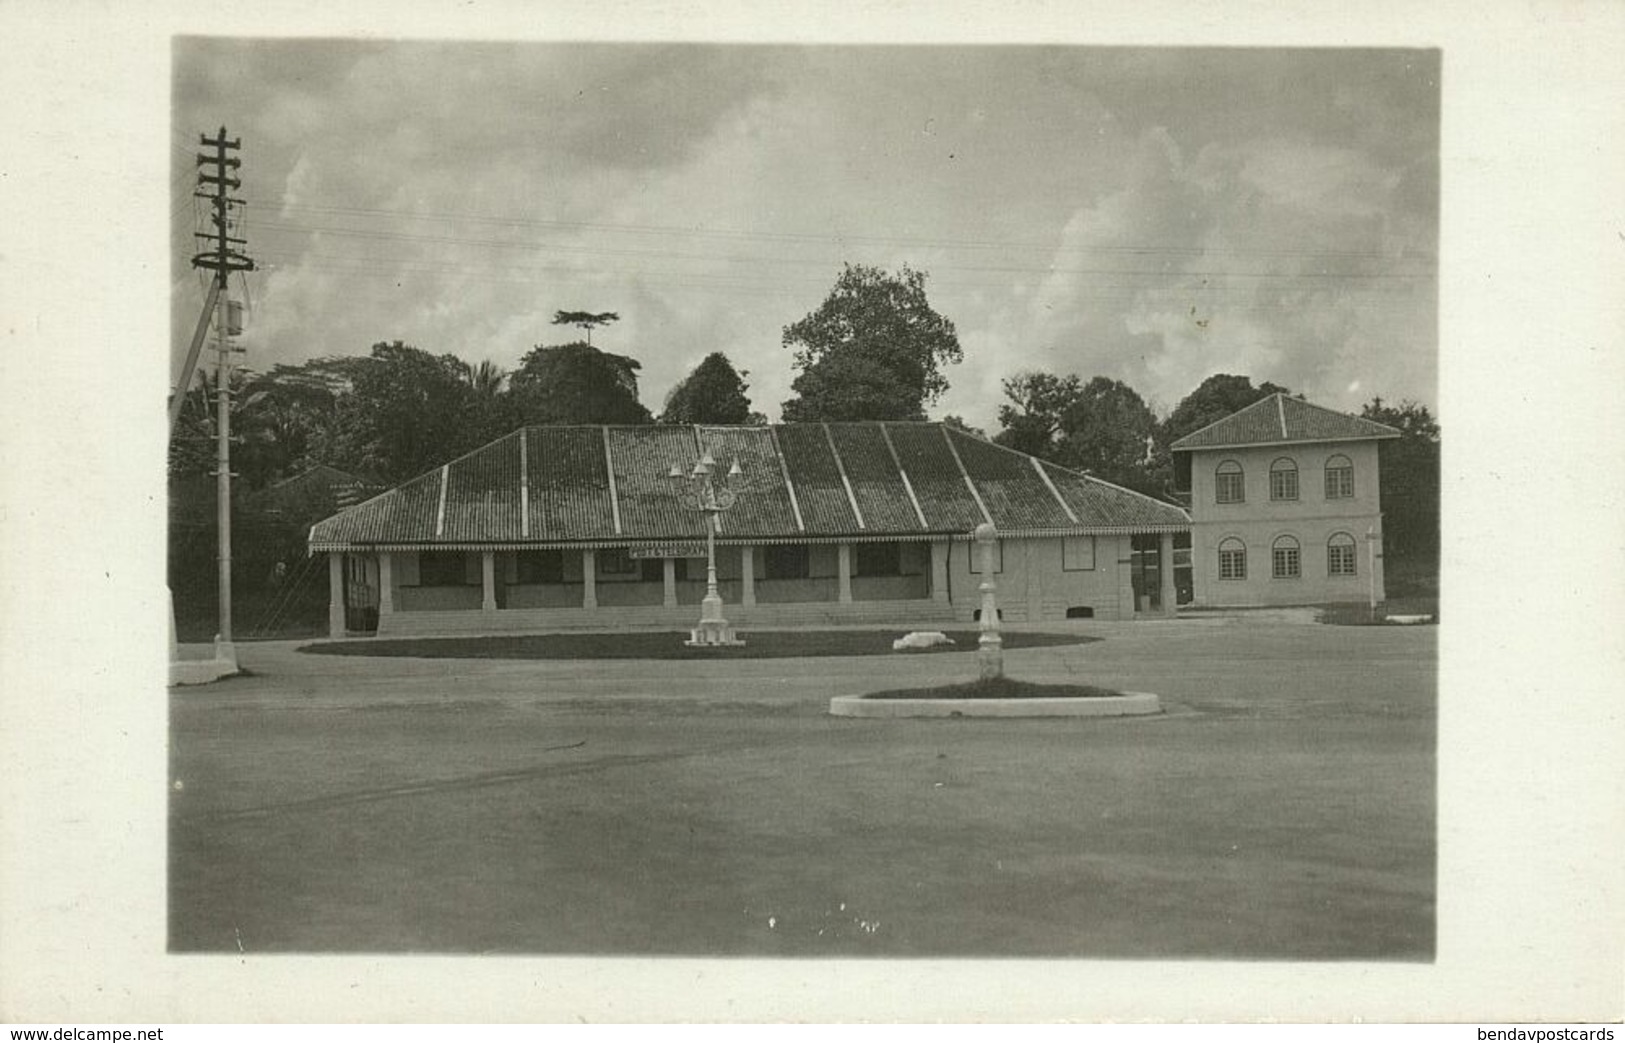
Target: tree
{"points": [[406, 412], [1409, 484], [1032, 419], [954, 420], [1103, 427], [872, 351], [1214, 399], [576, 384], [586, 320], [713, 393], [1110, 432]]}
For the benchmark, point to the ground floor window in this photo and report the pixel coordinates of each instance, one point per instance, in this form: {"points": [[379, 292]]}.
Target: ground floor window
{"points": [[1340, 555], [654, 569], [1232, 559], [1285, 560], [877, 559], [438, 568], [787, 561], [616, 561], [541, 566]]}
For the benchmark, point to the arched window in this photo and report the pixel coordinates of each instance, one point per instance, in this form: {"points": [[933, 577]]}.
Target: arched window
{"points": [[1339, 478], [1285, 560], [1341, 555], [1283, 480], [1228, 483], [1232, 559]]}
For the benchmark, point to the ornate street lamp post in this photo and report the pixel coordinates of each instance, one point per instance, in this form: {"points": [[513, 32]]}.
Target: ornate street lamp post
{"points": [[702, 489]]}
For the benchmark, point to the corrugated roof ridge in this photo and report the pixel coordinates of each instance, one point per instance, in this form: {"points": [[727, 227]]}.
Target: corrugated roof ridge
{"points": [[902, 472], [1280, 411], [975, 493], [840, 468], [1111, 485], [1305, 403], [1231, 416]]}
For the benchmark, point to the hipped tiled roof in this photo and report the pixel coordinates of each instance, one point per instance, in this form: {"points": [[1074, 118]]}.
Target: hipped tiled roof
{"points": [[547, 486], [1278, 420]]}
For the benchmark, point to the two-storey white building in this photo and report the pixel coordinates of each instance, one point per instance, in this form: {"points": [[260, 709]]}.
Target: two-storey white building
{"points": [[1284, 506]]}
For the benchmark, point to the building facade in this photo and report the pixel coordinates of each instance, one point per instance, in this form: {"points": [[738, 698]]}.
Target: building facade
{"points": [[1285, 507], [559, 527]]}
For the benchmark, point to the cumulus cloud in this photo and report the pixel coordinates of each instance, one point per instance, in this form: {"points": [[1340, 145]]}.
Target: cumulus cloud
{"points": [[1083, 211]]}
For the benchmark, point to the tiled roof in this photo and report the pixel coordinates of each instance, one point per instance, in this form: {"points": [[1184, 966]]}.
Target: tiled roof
{"points": [[808, 481], [1278, 420]]}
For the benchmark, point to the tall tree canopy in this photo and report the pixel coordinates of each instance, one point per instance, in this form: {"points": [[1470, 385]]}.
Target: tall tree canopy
{"points": [[1214, 399], [872, 351], [1410, 483], [714, 393], [585, 320], [1103, 426], [576, 384], [406, 412]]}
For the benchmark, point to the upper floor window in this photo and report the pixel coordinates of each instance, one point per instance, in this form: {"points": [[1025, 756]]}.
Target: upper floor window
{"points": [[1285, 559], [1228, 483], [1283, 480], [1232, 559], [1340, 555], [1339, 478]]}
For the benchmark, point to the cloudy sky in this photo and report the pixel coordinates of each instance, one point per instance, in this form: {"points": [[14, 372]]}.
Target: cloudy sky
{"points": [[1152, 215]]}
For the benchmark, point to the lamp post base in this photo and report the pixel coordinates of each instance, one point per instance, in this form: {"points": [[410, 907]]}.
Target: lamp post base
{"points": [[713, 630]]}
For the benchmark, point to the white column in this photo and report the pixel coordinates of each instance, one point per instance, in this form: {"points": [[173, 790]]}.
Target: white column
{"points": [[1125, 577], [747, 575], [589, 579], [1165, 561], [488, 581], [386, 584], [843, 571], [939, 571], [669, 575], [335, 594]]}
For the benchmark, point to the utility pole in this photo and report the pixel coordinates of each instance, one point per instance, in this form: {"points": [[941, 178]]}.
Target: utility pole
{"points": [[215, 184]]}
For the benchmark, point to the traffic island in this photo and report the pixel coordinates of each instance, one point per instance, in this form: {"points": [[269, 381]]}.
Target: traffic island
{"points": [[999, 697]]}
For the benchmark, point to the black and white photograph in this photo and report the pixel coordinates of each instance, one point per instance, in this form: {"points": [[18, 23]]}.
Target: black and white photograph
{"points": [[808, 506]]}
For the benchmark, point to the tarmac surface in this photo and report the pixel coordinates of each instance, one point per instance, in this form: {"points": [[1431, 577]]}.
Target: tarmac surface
{"points": [[1282, 808]]}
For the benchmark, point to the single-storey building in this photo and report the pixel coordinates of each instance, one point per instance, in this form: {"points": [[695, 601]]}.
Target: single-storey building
{"points": [[1284, 506], [583, 526]]}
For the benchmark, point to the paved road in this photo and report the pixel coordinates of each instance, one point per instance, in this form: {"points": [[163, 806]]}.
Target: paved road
{"points": [[1283, 808]]}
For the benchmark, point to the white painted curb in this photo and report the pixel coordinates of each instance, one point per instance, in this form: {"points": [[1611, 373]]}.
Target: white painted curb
{"points": [[1128, 704]]}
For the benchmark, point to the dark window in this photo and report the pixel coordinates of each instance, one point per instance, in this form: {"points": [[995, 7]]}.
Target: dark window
{"points": [[1340, 555], [1080, 612], [1283, 480], [878, 559], [1285, 561], [616, 561], [789, 561], [654, 569], [1339, 478], [439, 568], [541, 566], [1229, 484]]}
